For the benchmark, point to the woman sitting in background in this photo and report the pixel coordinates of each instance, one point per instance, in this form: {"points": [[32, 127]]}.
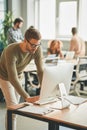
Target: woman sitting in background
{"points": [[55, 47]]}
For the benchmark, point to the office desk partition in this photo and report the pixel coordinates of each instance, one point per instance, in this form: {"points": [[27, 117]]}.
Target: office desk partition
{"points": [[73, 117]]}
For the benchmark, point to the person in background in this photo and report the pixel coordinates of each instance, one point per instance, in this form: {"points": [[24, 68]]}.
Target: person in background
{"points": [[77, 44], [14, 58], [55, 47], [14, 33]]}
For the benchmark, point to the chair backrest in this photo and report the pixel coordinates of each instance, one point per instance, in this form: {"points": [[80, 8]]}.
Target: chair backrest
{"points": [[81, 69]]}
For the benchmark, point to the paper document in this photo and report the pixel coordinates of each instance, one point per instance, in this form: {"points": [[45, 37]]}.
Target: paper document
{"points": [[75, 99], [36, 109]]}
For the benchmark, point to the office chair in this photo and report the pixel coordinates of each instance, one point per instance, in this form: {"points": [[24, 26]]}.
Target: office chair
{"points": [[80, 77], [31, 82]]}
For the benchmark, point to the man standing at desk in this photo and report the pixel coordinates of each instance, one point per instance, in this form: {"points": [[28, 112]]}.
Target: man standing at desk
{"points": [[14, 59]]}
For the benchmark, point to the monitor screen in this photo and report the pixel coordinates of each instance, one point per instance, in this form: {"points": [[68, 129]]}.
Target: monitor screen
{"points": [[51, 59], [52, 76], [70, 55]]}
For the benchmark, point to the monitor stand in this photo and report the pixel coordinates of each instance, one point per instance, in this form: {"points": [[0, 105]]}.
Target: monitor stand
{"points": [[63, 103]]}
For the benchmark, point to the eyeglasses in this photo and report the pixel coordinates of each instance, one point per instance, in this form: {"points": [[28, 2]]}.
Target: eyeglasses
{"points": [[34, 45]]}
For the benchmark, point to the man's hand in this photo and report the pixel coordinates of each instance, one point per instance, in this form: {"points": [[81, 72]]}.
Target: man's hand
{"points": [[32, 99]]}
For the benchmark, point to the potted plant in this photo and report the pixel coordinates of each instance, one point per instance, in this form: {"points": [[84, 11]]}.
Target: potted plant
{"points": [[6, 24]]}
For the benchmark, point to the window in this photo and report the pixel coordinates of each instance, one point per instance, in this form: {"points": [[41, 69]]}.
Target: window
{"points": [[66, 17], [82, 19], [45, 16], [3, 9], [37, 13], [55, 18]]}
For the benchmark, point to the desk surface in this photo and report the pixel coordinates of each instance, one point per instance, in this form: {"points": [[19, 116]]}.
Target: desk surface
{"points": [[74, 116]]}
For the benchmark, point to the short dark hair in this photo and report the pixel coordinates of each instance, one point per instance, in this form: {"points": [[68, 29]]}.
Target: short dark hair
{"points": [[18, 20], [32, 33], [31, 27], [74, 30]]}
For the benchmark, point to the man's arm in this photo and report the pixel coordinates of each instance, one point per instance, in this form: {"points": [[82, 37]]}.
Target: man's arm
{"points": [[38, 57], [13, 75]]}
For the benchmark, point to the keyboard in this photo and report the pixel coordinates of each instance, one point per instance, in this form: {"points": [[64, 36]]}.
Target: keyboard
{"points": [[46, 101], [75, 99]]}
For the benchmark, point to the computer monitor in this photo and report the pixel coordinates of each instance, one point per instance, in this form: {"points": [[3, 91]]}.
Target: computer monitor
{"points": [[70, 55], [51, 59], [52, 76]]}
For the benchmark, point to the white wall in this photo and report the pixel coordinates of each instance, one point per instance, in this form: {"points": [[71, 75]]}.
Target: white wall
{"points": [[47, 21], [23, 8], [83, 19], [31, 13], [27, 12], [14, 6]]}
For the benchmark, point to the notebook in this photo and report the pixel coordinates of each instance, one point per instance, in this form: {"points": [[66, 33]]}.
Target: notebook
{"points": [[36, 109]]}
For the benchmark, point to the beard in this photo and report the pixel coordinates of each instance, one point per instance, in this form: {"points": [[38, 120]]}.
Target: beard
{"points": [[32, 51], [18, 26]]}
